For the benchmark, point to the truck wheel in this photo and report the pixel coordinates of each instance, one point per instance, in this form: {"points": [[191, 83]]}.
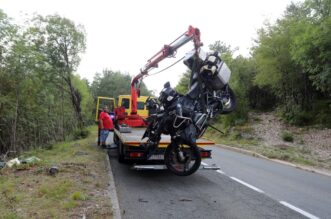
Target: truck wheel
{"points": [[120, 152], [115, 139]]}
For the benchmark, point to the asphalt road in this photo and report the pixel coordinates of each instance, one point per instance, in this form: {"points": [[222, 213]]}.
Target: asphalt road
{"points": [[310, 192], [245, 187]]}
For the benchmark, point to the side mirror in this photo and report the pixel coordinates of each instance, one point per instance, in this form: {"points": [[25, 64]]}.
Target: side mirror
{"points": [[166, 85]]}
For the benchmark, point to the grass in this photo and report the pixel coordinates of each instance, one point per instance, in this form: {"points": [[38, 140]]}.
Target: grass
{"points": [[80, 187], [78, 196]]}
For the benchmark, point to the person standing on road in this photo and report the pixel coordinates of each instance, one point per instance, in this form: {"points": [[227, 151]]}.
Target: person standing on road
{"points": [[105, 125]]}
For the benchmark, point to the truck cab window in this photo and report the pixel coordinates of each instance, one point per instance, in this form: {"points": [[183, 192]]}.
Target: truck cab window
{"points": [[126, 103], [140, 105]]}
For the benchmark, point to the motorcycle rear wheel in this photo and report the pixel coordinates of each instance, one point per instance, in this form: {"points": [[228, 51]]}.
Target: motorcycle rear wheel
{"points": [[182, 167]]}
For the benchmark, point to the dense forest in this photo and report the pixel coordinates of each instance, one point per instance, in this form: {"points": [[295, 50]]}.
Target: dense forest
{"points": [[44, 100], [289, 69]]}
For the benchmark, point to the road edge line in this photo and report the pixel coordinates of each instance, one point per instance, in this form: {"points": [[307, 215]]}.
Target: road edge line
{"points": [[221, 172], [204, 164], [255, 154], [112, 191], [299, 210], [247, 184]]}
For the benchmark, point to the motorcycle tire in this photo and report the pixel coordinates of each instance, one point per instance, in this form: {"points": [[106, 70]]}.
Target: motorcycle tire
{"points": [[170, 156], [233, 102]]}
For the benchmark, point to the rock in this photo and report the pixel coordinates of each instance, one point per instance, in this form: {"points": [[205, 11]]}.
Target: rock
{"points": [[142, 200], [93, 175], [185, 200], [53, 170], [81, 153]]}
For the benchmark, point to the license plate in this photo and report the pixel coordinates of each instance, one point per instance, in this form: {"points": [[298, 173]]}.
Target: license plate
{"points": [[157, 157]]}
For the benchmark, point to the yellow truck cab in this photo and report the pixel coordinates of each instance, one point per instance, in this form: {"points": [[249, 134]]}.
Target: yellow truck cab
{"points": [[104, 101], [125, 100]]}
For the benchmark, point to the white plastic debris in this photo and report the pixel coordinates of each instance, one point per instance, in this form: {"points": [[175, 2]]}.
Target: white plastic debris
{"points": [[32, 159], [13, 162]]}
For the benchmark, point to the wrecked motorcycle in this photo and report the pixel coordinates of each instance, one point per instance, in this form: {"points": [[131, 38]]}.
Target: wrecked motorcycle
{"points": [[185, 117]]}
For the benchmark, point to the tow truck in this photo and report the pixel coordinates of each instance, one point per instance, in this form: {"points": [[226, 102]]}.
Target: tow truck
{"points": [[129, 129], [123, 101]]}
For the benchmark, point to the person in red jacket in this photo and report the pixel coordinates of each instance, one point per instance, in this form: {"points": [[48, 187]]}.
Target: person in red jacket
{"points": [[105, 125]]}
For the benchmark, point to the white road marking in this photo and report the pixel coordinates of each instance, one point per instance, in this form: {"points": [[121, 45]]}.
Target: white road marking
{"points": [[203, 163], [220, 171], [305, 213], [246, 184]]}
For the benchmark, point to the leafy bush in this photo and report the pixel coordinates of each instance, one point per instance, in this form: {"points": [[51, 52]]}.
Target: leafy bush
{"points": [[81, 133], [78, 196], [303, 118], [323, 111], [287, 136]]}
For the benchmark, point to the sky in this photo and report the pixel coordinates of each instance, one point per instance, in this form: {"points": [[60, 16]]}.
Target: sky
{"points": [[123, 34]]}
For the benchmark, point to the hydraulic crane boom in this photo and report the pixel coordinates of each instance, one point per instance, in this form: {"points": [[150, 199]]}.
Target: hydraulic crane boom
{"points": [[168, 50]]}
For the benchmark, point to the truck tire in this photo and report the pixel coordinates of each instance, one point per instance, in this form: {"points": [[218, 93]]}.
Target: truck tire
{"points": [[174, 164], [115, 139], [120, 149]]}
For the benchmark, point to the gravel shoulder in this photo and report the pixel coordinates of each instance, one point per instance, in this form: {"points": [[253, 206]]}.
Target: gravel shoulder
{"points": [[264, 134]]}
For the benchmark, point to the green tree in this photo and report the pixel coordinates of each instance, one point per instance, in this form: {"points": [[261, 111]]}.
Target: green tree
{"points": [[112, 84], [87, 103], [242, 72], [184, 83], [293, 59], [35, 101], [64, 42], [312, 42]]}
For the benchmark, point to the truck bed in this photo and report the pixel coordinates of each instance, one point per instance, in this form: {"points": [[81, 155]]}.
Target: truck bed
{"points": [[134, 139]]}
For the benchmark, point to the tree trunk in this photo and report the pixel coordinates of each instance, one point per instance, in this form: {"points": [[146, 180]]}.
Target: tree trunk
{"points": [[76, 100], [14, 126]]}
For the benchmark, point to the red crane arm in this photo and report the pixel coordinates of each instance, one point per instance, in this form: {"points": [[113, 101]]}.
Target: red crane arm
{"points": [[168, 50]]}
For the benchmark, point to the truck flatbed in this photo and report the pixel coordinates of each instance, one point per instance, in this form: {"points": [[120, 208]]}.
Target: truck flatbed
{"points": [[133, 138], [132, 148]]}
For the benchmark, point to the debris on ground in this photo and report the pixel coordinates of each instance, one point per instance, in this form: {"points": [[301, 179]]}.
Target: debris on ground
{"points": [[81, 153], [13, 162], [185, 200], [112, 146], [2, 164], [53, 170], [16, 161], [30, 160], [142, 200]]}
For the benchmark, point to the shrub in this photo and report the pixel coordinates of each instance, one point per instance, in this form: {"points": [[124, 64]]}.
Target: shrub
{"points": [[287, 136], [78, 196], [81, 133]]}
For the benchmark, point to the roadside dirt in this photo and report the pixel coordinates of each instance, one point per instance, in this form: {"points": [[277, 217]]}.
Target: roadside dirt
{"points": [[78, 190], [314, 142]]}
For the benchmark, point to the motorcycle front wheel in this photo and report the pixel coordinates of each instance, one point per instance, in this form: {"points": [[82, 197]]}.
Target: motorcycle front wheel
{"points": [[182, 160]]}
